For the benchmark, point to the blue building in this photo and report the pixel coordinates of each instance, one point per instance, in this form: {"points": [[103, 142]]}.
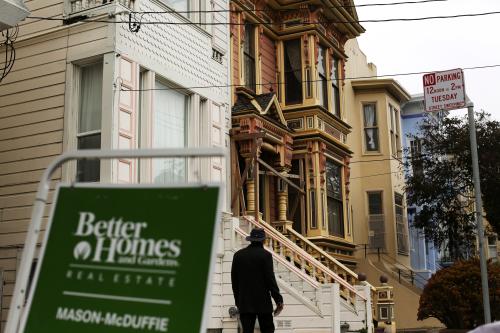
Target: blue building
{"points": [[424, 256]]}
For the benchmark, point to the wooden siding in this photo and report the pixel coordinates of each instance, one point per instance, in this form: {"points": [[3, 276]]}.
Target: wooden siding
{"points": [[236, 54], [268, 60], [32, 110]]}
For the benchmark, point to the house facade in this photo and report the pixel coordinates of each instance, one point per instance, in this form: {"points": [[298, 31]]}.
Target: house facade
{"points": [[377, 188], [377, 179], [424, 256], [83, 79], [290, 157]]}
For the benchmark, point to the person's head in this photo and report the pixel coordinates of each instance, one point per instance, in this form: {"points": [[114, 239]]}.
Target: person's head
{"points": [[257, 235]]}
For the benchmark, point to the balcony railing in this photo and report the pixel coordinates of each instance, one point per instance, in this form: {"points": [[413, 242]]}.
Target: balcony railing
{"points": [[81, 5]]}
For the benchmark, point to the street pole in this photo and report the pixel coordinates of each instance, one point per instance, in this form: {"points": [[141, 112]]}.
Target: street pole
{"points": [[479, 214]]}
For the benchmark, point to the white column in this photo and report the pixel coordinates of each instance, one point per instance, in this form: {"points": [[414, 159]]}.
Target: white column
{"points": [[335, 308]]}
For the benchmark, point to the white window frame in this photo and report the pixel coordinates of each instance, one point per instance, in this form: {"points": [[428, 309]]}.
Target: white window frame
{"points": [[195, 12], [197, 126], [395, 131], [72, 112]]}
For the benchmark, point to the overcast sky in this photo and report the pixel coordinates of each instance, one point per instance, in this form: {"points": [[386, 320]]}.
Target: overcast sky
{"points": [[435, 45]]}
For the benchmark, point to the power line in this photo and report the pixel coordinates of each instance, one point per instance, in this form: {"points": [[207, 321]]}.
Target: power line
{"points": [[376, 174], [377, 160], [305, 81], [288, 9], [393, 3], [263, 23]]}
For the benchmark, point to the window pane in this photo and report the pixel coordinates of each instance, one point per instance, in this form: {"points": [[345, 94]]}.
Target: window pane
{"points": [[333, 180], [335, 217], [335, 72], [336, 100], [375, 203], [90, 98], [321, 61], [249, 56], [178, 5], [293, 72], [249, 39], [169, 131], [369, 115], [371, 139], [322, 90], [371, 130], [322, 85], [88, 170], [334, 198], [249, 72], [335, 87], [312, 202]]}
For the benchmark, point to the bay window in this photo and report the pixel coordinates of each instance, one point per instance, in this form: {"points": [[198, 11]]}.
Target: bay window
{"points": [[293, 71]]}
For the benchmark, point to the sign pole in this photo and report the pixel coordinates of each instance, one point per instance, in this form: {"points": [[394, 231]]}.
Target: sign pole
{"points": [[445, 90], [479, 214]]}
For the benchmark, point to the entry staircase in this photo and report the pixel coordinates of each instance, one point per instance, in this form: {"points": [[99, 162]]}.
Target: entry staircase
{"points": [[321, 294]]}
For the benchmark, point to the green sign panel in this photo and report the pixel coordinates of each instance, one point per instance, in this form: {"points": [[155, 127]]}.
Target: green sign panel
{"points": [[122, 260]]}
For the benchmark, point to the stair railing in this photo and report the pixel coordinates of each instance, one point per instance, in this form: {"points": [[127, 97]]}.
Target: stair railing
{"points": [[282, 260], [321, 255], [404, 273], [304, 261]]}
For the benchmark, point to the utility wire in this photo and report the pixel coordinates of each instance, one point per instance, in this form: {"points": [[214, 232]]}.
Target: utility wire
{"points": [[263, 23], [305, 81], [376, 174], [287, 9]]}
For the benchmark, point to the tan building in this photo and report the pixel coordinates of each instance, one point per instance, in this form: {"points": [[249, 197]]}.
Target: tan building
{"points": [[377, 202]]}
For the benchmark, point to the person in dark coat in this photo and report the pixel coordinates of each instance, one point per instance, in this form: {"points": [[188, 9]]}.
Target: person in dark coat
{"points": [[254, 283]]}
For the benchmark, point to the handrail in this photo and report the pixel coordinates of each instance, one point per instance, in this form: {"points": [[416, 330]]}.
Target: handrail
{"points": [[275, 255], [321, 251], [299, 251], [413, 274]]}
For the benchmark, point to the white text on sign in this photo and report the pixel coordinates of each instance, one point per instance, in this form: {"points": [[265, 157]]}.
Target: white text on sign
{"points": [[444, 90]]}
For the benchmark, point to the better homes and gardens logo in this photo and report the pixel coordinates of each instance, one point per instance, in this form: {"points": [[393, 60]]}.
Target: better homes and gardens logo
{"points": [[104, 244], [122, 242]]}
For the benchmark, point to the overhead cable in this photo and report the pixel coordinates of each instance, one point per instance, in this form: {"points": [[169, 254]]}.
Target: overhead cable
{"points": [[305, 81], [240, 10], [263, 23]]}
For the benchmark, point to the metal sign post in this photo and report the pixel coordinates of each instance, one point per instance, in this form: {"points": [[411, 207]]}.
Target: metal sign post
{"points": [[147, 238], [479, 214], [446, 91]]}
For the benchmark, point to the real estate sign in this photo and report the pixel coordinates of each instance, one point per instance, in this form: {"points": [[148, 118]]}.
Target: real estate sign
{"points": [[125, 260], [444, 90]]}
